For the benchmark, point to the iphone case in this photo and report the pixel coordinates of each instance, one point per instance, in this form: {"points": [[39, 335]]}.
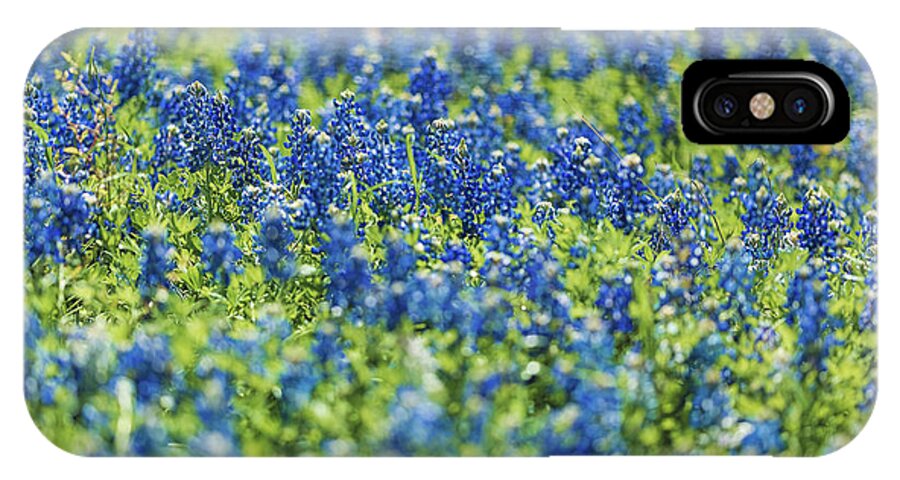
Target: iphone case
{"points": [[437, 242]]}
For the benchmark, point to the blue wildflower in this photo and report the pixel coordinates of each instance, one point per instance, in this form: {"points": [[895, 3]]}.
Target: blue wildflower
{"points": [[274, 241], [613, 301], [345, 263], [766, 217], [418, 426], [821, 227], [156, 261], [633, 127], [803, 165], [807, 310], [764, 438], [134, 64], [220, 255], [432, 87], [58, 219]]}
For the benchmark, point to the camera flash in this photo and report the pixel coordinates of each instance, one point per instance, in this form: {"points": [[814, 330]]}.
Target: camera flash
{"points": [[762, 105]]}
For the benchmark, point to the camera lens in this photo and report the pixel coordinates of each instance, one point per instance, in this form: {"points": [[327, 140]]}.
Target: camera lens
{"points": [[725, 105], [801, 105]]}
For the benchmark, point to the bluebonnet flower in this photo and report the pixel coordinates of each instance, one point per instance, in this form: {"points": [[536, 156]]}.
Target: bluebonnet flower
{"points": [[433, 87], [38, 111], [366, 68], [156, 261], [150, 438], [821, 226], [345, 263], [488, 317], [710, 405], [731, 169], [652, 61], [170, 148], [634, 130], [674, 217], [869, 232], [134, 63], [804, 164], [205, 130], [543, 286], [498, 189], [643, 53], [400, 259], [528, 105], [220, 255], [516, 168], [452, 179], [681, 273], [771, 44], [387, 175], [349, 134], [328, 351], [298, 380], [274, 241], [860, 153], [456, 251], [49, 377], [626, 196], [701, 168], [591, 420], [82, 120], [580, 175], [41, 236], [212, 403], [668, 121], [663, 181], [712, 43], [613, 300], [247, 162], [764, 438], [545, 214], [504, 253], [868, 319], [314, 165], [58, 219], [847, 62], [148, 363], [766, 217], [870, 391], [807, 310], [262, 76], [322, 56], [736, 278], [853, 198], [418, 426], [582, 58]]}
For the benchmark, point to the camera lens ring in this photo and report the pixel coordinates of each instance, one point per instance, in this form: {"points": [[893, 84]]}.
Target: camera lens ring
{"points": [[725, 105], [801, 105]]}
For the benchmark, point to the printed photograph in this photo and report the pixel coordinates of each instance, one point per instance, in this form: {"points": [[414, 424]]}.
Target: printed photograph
{"points": [[437, 243]]}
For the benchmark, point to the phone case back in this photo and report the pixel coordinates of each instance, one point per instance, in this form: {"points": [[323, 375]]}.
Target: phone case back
{"points": [[437, 242]]}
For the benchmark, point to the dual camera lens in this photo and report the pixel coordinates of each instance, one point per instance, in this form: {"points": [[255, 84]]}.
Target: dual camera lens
{"points": [[762, 102]]}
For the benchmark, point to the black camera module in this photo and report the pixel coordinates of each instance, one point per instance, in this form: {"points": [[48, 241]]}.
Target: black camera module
{"points": [[763, 102], [801, 105], [725, 105]]}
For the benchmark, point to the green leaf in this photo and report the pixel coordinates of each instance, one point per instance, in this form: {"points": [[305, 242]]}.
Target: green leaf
{"points": [[271, 161]]}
